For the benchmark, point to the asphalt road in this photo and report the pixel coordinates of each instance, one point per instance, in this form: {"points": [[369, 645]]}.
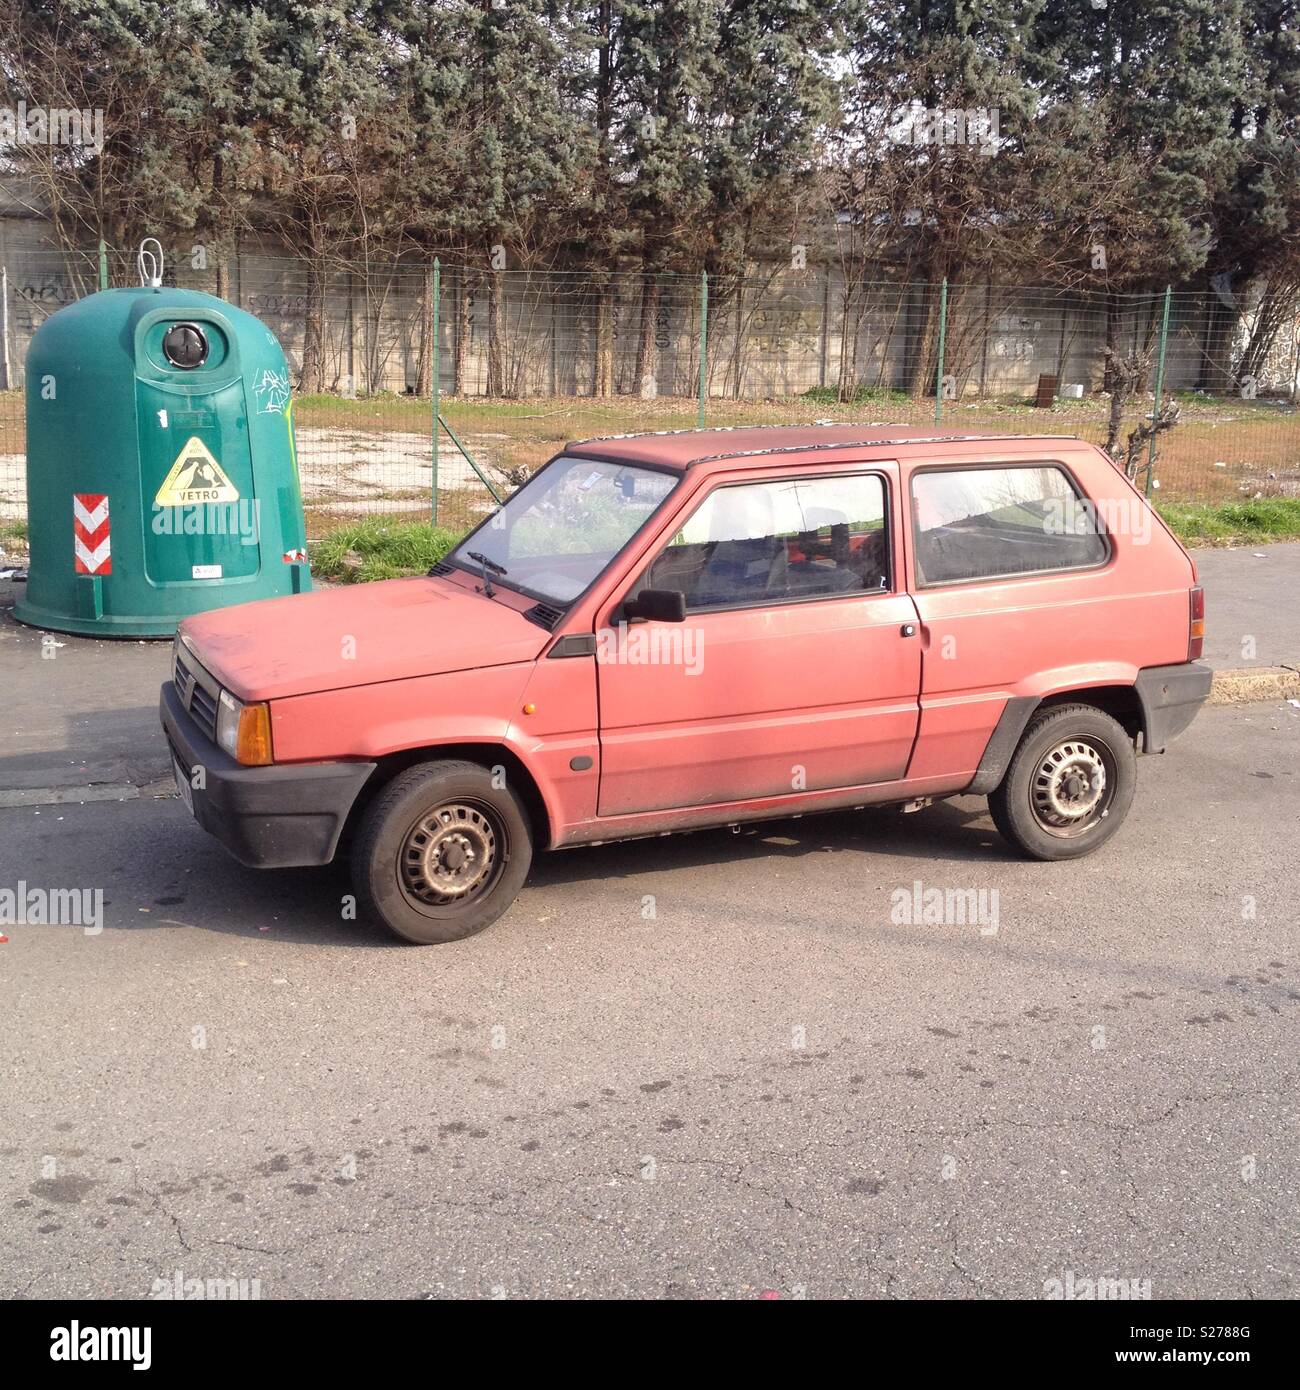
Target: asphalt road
{"points": [[703, 1066], [1252, 617]]}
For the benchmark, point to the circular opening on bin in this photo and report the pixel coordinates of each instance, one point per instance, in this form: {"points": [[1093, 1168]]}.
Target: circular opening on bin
{"points": [[185, 345]]}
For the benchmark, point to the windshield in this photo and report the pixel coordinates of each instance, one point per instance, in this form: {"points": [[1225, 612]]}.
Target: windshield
{"points": [[557, 533]]}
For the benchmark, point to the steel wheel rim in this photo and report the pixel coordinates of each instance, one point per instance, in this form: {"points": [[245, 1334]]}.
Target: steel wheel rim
{"points": [[451, 856], [1072, 787]]}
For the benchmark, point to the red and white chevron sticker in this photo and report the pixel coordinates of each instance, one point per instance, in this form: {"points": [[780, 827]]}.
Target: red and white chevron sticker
{"points": [[91, 550]]}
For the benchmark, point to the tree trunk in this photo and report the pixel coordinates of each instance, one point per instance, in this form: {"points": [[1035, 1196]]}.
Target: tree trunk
{"points": [[850, 327], [1216, 357], [496, 372], [1276, 307], [1114, 348], [738, 345], [603, 368], [921, 364], [221, 268], [647, 354], [424, 361], [312, 379], [463, 332]]}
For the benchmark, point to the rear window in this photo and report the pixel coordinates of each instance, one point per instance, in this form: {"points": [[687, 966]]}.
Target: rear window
{"points": [[992, 523]]}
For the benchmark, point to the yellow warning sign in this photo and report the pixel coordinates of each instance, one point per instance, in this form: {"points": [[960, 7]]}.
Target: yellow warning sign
{"points": [[196, 476]]}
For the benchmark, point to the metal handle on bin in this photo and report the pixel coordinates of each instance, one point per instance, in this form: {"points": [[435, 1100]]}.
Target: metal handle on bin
{"points": [[150, 263]]}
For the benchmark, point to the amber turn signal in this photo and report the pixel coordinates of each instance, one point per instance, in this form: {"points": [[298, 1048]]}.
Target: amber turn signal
{"points": [[253, 743]]}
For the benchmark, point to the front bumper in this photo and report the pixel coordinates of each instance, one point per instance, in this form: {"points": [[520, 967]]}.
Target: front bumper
{"points": [[267, 817], [1170, 697]]}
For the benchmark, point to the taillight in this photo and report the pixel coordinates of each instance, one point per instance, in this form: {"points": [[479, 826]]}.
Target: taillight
{"points": [[1196, 639]]}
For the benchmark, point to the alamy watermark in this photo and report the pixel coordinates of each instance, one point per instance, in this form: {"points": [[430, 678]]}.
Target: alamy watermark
{"points": [[975, 127], [74, 1342], [53, 125], [177, 1286], [946, 907], [52, 907], [239, 518], [1117, 516], [1076, 1287], [652, 645]]}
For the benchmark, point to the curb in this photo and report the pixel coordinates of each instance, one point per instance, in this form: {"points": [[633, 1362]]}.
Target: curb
{"points": [[1254, 683]]}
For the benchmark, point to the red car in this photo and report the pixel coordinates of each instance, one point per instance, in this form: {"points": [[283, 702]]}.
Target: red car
{"points": [[663, 632]]}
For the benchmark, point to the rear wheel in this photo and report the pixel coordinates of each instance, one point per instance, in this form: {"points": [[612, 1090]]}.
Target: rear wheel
{"points": [[441, 852], [1069, 785]]}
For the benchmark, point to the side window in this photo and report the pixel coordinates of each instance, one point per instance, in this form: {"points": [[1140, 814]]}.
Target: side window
{"points": [[788, 539], [988, 523]]}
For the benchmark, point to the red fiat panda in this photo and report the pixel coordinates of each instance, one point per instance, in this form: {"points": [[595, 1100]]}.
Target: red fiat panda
{"points": [[663, 632]]}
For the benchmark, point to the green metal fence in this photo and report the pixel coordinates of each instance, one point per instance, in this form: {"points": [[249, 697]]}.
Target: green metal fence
{"points": [[512, 363]]}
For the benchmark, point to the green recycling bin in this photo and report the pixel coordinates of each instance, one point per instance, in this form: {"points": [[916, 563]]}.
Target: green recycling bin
{"points": [[162, 477]]}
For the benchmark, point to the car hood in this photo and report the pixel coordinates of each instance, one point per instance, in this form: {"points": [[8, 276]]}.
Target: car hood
{"points": [[360, 635]]}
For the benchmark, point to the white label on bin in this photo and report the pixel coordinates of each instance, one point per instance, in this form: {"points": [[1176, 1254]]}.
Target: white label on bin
{"points": [[205, 572]]}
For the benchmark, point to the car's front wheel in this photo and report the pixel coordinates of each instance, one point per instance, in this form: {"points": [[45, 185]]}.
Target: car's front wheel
{"points": [[441, 852], [1069, 785]]}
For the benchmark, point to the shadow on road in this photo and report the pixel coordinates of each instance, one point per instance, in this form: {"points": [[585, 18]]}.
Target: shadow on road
{"points": [[157, 868], [945, 831]]}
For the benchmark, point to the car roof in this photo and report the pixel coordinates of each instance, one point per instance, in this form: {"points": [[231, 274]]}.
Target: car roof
{"points": [[681, 449]]}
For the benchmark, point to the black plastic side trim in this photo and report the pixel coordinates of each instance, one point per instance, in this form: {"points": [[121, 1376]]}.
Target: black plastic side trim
{"points": [[1002, 744], [574, 644], [1170, 697]]}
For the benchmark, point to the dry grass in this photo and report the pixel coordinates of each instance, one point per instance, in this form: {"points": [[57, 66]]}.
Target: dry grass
{"points": [[373, 456], [1221, 448]]}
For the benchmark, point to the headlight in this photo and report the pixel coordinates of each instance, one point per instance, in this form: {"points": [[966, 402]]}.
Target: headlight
{"points": [[244, 731]]}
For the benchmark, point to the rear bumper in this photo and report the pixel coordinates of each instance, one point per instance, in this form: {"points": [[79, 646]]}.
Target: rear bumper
{"points": [[267, 817], [1170, 697]]}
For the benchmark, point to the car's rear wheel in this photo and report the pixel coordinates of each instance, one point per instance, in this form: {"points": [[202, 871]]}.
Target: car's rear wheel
{"points": [[1069, 785], [441, 852]]}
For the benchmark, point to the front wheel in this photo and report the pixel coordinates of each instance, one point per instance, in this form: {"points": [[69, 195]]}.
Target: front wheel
{"points": [[1069, 785], [441, 852]]}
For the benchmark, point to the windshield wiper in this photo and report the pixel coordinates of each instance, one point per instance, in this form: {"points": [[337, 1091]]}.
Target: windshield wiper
{"points": [[488, 590]]}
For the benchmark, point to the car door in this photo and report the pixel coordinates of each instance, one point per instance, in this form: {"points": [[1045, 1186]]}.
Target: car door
{"points": [[797, 667], [1014, 589]]}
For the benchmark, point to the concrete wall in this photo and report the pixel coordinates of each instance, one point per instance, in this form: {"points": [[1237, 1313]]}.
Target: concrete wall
{"points": [[790, 331]]}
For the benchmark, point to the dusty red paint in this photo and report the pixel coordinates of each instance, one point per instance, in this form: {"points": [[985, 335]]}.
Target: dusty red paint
{"points": [[828, 684]]}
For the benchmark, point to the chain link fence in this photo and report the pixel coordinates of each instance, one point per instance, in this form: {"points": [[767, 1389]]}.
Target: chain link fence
{"points": [[516, 362]]}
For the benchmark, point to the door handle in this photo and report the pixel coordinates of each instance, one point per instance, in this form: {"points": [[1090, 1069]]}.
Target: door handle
{"points": [[907, 630]]}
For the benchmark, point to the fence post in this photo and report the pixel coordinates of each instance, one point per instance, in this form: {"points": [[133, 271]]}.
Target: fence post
{"points": [[435, 377], [6, 383], [943, 338], [103, 265], [1160, 382], [704, 342]]}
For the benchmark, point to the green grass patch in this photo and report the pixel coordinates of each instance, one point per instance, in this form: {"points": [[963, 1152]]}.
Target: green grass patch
{"points": [[1222, 523], [12, 529], [376, 549], [862, 395]]}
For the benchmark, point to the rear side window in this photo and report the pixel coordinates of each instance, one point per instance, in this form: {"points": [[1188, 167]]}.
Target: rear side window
{"points": [[991, 523]]}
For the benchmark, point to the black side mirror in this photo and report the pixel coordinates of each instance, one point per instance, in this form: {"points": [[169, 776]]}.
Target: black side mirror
{"points": [[657, 606]]}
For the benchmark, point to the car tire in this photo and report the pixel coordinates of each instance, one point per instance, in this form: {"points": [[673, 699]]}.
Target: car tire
{"points": [[1069, 785], [441, 852]]}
